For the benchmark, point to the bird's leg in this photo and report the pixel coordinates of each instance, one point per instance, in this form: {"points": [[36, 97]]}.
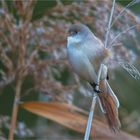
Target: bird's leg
{"points": [[95, 87]]}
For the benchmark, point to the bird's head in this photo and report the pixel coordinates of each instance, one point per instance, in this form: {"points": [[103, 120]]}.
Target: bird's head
{"points": [[78, 33]]}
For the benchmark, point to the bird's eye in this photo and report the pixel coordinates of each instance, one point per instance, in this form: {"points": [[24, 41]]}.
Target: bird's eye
{"points": [[74, 33]]}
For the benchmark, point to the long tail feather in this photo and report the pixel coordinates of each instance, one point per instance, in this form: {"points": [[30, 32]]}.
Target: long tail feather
{"points": [[109, 105]]}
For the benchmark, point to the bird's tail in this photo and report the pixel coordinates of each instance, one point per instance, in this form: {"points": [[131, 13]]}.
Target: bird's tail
{"points": [[110, 104]]}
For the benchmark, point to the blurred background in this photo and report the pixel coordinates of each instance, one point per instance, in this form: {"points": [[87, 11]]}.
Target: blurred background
{"points": [[33, 61]]}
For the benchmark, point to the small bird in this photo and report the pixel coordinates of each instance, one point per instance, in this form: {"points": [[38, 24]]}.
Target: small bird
{"points": [[86, 53]]}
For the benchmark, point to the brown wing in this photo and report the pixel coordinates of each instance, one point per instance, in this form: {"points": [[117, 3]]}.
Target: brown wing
{"points": [[100, 56]]}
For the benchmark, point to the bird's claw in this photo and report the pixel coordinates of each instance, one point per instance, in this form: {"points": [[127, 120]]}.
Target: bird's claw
{"points": [[96, 89]]}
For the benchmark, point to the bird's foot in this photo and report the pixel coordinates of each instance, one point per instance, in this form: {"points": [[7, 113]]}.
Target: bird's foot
{"points": [[96, 89]]}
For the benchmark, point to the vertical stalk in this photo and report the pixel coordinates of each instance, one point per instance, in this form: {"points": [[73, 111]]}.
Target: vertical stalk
{"points": [[20, 75], [15, 109], [91, 113], [109, 24]]}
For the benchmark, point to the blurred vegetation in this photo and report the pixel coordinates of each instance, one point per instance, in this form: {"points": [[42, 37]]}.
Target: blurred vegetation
{"points": [[33, 50]]}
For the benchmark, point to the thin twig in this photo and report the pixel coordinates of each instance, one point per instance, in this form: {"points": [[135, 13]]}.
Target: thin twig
{"points": [[91, 113], [15, 109], [8, 24], [115, 44], [8, 39], [123, 32], [29, 11], [7, 17], [124, 9], [109, 24]]}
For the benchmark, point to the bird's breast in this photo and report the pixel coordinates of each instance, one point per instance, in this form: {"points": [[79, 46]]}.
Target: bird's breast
{"points": [[81, 64]]}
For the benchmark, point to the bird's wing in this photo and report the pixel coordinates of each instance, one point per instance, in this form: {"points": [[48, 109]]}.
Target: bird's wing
{"points": [[96, 52]]}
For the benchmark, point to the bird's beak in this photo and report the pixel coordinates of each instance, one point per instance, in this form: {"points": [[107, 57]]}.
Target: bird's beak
{"points": [[68, 33]]}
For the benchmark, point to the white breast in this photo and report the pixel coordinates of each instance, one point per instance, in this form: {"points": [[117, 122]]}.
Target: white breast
{"points": [[81, 64]]}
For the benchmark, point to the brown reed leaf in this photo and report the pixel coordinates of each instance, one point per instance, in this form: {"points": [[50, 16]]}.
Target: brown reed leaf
{"points": [[73, 118]]}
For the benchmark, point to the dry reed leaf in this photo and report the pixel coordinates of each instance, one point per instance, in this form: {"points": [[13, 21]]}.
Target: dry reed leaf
{"points": [[59, 112], [74, 118]]}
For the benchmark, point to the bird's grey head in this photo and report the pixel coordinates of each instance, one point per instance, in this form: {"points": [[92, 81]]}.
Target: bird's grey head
{"points": [[78, 33]]}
